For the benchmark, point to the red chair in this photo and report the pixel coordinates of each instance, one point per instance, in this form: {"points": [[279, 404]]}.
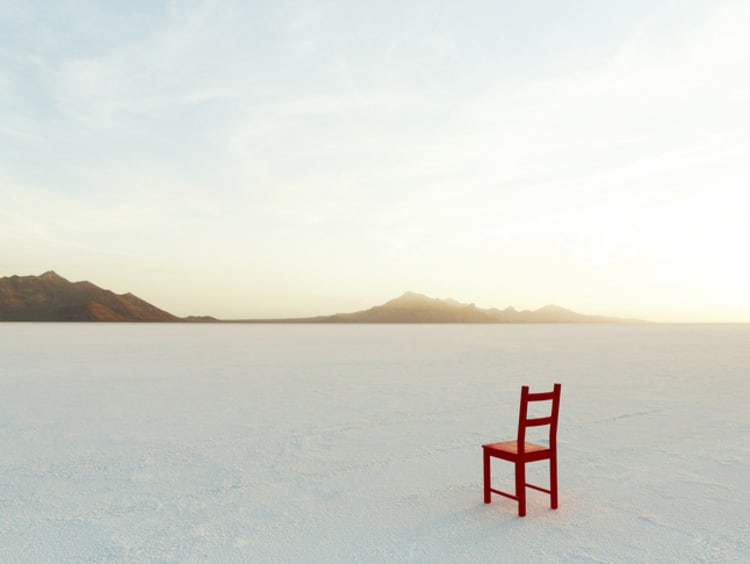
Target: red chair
{"points": [[519, 452]]}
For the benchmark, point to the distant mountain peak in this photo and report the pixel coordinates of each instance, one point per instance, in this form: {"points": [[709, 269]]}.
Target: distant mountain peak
{"points": [[411, 299], [410, 294], [50, 275], [554, 308]]}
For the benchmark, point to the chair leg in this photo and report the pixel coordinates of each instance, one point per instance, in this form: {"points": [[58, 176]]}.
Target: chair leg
{"points": [[553, 481], [521, 488], [487, 478]]}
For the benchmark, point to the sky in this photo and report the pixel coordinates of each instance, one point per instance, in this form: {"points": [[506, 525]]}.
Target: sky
{"points": [[291, 158]]}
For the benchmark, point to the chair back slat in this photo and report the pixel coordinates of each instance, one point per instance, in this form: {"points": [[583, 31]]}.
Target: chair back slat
{"points": [[541, 396], [525, 421], [539, 421]]}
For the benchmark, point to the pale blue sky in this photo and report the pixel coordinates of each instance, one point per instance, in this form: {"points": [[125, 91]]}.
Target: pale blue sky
{"points": [[290, 158]]}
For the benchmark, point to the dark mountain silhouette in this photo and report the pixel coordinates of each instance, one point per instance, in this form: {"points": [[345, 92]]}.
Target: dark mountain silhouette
{"points": [[417, 308], [51, 297]]}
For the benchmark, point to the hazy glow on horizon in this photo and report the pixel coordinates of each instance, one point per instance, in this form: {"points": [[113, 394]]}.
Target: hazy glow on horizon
{"points": [[289, 158]]}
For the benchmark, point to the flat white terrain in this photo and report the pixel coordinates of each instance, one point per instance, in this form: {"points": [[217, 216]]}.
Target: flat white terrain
{"points": [[361, 443]]}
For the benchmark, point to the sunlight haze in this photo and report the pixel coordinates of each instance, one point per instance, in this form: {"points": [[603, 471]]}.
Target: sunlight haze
{"points": [[294, 158]]}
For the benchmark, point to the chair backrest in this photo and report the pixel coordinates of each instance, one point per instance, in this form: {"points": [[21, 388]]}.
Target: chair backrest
{"points": [[524, 421]]}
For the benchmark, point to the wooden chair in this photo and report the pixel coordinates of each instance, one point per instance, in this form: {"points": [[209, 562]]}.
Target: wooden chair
{"points": [[519, 452]]}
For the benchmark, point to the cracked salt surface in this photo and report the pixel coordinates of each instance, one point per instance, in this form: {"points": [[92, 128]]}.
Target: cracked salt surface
{"points": [[305, 443]]}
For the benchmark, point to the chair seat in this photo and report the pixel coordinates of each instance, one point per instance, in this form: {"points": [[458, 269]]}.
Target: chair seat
{"points": [[511, 447]]}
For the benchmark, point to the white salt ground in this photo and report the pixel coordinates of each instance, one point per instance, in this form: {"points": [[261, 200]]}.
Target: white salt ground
{"points": [[299, 443]]}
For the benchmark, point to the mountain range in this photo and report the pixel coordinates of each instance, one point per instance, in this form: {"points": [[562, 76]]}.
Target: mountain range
{"points": [[417, 308], [50, 297]]}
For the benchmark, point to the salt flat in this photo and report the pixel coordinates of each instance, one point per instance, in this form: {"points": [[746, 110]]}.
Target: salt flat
{"points": [[361, 443]]}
